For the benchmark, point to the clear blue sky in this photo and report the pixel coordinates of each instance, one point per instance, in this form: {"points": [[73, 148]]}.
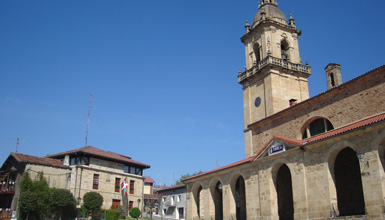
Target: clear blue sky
{"points": [[163, 73]]}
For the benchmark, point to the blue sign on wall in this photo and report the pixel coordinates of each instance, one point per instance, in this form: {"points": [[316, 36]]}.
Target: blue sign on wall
{"points": [[277, 149]]}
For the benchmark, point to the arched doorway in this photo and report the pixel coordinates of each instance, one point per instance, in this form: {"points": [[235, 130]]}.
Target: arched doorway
{"points": [[218, 201], [350, 196], [197, 196], [240, 198], [285, 193]]}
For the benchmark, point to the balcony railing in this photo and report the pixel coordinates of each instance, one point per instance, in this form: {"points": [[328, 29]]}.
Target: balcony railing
{"points": [[274, 61], [7, 186], [5, 213]]}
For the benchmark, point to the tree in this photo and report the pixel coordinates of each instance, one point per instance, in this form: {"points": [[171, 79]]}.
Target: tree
{"points": [[28, 204], [135, 212], [92, 202], [179, 182], [33, 201], [61, 200]]}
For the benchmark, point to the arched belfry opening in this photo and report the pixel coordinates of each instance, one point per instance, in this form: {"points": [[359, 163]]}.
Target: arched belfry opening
{"points": [[285, 193], [285, 50], [218, 200], [257, 52], [240, 198], [347, 173]]}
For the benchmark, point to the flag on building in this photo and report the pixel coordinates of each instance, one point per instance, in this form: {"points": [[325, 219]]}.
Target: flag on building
{"points": [[124, 187]]}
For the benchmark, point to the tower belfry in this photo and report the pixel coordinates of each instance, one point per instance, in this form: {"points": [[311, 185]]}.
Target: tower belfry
{"points": [[274, 73]]}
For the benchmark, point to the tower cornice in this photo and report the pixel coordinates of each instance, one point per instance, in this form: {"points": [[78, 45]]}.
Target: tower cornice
{"points": [[268, 23]]}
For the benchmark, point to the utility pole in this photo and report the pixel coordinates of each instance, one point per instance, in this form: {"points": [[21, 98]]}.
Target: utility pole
{"points": [[88, 118]]}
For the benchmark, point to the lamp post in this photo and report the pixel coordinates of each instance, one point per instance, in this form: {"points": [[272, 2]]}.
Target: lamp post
{"points": [[79, 199], [138, 210]]}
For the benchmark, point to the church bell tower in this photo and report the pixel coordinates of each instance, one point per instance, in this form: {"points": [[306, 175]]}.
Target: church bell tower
{"points": [[274, 77]]}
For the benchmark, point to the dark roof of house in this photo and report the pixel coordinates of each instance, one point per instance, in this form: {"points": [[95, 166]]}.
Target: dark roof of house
{"points": [[28, 159], [350, 127], [172, 187], [95, 152]]}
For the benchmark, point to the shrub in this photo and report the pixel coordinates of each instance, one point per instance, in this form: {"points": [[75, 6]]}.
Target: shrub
{"points": [[113, 214], [134, 212]]}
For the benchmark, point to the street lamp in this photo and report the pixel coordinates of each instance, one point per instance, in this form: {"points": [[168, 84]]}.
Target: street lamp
{"points": [[79, 199], [138, 210]]}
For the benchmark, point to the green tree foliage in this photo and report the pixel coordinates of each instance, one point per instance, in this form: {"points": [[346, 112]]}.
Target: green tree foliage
{"points": [[36, 192], [134, 212], [38, 201], [61, 201], [25, 183], [92, 202], [28, 205], [113, 214], [179, 182]]}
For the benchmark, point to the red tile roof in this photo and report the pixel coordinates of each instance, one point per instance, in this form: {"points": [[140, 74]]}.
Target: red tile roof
{"points": [[28, 159], [356, 125], [92, 151], [149, 180]]}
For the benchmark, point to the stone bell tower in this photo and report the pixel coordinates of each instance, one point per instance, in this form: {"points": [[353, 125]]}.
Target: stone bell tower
{"points": [[274, 75]]}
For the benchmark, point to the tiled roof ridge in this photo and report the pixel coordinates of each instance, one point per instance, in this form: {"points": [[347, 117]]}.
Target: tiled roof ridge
{"points": [[317, 96], [25, 158], [101, 153]]}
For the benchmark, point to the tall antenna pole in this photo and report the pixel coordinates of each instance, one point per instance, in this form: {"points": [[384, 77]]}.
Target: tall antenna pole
{"points": [[88, 118], [17, 143]]}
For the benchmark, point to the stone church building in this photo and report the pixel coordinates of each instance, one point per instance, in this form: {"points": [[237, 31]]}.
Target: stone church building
{"points": [[305, 158]]}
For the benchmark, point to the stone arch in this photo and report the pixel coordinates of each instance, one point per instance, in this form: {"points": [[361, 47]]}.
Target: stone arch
{"points": [[348, 182], [216, 201], [284, 190], [315, 125], [238, 189], [285, 49], [197, 199], [257, 52]]}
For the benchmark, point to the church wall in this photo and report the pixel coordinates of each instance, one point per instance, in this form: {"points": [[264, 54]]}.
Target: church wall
{"points": [[343, 105], [312, 173]]}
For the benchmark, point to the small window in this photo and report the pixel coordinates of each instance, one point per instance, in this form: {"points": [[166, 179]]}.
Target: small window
{"points": [[333, 83], [117, 184], [96, 181], [132, 184], [179, 198], [318, 126], [138, 171], [126, 168], [132, 170], [131, 205]]}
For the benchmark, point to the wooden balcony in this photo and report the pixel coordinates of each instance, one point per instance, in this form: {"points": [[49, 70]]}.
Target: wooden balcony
{"points": [[7, 187]]}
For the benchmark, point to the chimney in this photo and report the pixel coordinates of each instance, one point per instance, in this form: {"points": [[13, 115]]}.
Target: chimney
{"points": [[292, 102], [66, 161], [333, 75]]}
